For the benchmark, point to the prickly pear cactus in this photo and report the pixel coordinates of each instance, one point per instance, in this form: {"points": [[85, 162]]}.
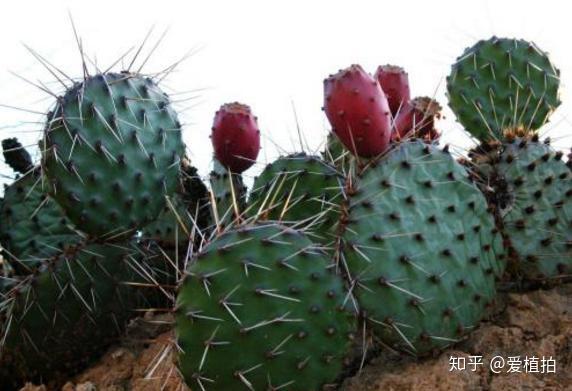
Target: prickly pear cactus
{"points": [[419, 247], [500, 84], [301, 191], [33, 227], [261, 310], [185, 212], [223, 189], [57, 319], [533, 191], [112, 151], [335, 154]]}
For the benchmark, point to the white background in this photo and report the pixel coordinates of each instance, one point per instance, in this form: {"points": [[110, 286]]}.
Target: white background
{"points": [[270, 55]]}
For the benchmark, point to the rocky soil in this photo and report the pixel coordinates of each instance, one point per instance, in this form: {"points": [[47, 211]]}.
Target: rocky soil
{"points": [[536, 323]]}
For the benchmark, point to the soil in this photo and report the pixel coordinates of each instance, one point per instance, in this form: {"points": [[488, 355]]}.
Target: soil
{"points": [[536, 323]]}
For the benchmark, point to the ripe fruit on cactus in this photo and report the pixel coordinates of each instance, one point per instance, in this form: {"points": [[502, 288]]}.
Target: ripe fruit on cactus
{"points": [[235, 136], [394, 81], [358, 111], [417, 119]]}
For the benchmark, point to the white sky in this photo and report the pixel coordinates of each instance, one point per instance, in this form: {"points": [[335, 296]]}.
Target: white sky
{"points": [[269, 55]]}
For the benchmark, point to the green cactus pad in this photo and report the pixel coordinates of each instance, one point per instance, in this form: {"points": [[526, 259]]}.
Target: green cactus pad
{"points": [[420, 248], [501, 84], [260, 310], [537, 208], [56, 320], [33, 227], [299, 190], [185, 211], [112, 152], [222, 191], [336, 154]]}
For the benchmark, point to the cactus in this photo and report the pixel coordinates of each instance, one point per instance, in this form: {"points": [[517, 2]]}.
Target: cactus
{"points": [[512, 86], [417, 119], [54, 321], [531, 187], [394, 82], [229, 195], [111, 151], [186, 211], [335, 154], [235, 137], [16, 156], [260, 309], [358, 111], [419, 248], [32, 226], [300, 191], [501, 84]]}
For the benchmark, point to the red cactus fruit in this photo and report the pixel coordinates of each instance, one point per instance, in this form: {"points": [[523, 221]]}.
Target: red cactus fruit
{"points": [[394, 81], [417, 119], [235, 136], [358, 111]]}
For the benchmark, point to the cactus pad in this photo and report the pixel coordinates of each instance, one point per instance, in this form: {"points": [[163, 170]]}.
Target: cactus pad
{"points": [[420, 249], [536, 207], [301, 191], [112, 152], [33, 227], [260, 310], [500, 84]]}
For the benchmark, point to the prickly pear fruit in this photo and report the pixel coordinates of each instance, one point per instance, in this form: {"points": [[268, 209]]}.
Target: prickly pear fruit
{"points": [[417, 119], [112, 152], [235, 136], [501, 84], [261, 309], [394, 81], [419, 247], [358, 111], [16, 156]]}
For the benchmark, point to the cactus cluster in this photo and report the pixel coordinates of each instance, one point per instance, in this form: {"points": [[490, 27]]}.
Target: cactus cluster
{"points": [[386, 234]]}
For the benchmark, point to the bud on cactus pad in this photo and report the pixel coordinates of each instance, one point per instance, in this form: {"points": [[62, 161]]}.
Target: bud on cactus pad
{"points": [[33, 227], [358, 111], [223, 189], [417, 119], [420, 248], [394, 82], [57, 319], [260, 310], [533, 193], [16, 156], [112, 152], [235, 137], [299, 190], [501, 84]]}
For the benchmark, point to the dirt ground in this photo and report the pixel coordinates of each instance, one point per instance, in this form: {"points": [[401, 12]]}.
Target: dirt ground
{"points": [[536, 324]]}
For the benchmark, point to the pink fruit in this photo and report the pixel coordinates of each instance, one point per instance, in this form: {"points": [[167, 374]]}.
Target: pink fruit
{"points": [[235, 136], [395, 83], [417, 119], [358, 111]]}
